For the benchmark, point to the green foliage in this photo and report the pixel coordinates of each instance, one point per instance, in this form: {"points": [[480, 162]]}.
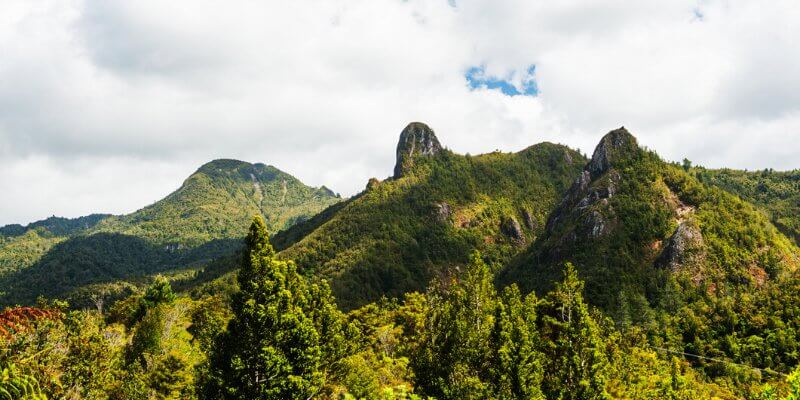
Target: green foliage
{"points": [[159, 292], [14, 386], [477, 344], [517, 361], [199, 222], [776, 193], [731, 301], [575, 361], [398, 234], [792, 389], [617, 225], [272, 348], [217, 200]]}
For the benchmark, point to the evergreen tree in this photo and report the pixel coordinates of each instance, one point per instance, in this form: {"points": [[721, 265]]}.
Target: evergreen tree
{"points": [[160, 292], [476, 344], [516, 364], [271, 349], [452, 361], [574, 356]]}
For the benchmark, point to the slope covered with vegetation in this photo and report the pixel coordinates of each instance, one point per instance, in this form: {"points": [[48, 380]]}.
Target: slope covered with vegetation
{"points": [[101, 255], [214, 202], [631, 220], [777, 193], [399, 233], [281, 336], [701, 271]]}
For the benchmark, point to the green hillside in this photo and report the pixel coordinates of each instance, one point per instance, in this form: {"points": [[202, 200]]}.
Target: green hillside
{"points": [[776, 192], [631, 222], [536, 274], [220, 198], [200, 221], [399, 233]]}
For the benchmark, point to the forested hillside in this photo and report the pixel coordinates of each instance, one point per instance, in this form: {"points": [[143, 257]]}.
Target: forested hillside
{"points": [[280, 336], [103, 256], [530, 275], [632, 222], [401, 232], [776, 192]]}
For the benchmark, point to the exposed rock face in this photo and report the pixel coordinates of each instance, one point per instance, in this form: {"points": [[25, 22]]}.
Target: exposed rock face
{"points": [[614, 145], [683, 248], [588, 197], [417, 139], [596, 225], [567, 157], [510, 227], [441, 212], [527, 218]]}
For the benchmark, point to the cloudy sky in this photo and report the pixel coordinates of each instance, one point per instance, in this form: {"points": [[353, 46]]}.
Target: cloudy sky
{"points": [[106, 106]]}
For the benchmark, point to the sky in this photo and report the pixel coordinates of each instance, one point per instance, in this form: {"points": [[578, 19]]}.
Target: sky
{"points": [[107, 106]]}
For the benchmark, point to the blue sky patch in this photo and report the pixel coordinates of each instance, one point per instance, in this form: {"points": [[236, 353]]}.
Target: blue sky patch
{"points": [[477, 79]]}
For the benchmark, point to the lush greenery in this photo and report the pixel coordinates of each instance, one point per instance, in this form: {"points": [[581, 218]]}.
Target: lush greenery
{"points": [[101, 256], [462, 277], [777, 193], [283, 337], [632, 221], [400, 233]]}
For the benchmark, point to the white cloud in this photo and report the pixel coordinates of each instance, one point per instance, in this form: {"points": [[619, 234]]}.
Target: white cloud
{"points": [[107, 105]]}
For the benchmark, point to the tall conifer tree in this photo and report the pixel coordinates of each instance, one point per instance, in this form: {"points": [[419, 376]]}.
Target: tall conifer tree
{"points": [[271, 349], [575, 362]]}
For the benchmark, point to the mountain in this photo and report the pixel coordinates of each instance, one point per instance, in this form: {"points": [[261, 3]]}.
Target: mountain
{"points": [[632, 223], [438, 206], [200, 221]]}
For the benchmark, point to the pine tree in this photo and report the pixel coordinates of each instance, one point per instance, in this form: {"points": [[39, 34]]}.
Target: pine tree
{"points": [[452, 360], [271, 349], [575, 361], [516, 364]]}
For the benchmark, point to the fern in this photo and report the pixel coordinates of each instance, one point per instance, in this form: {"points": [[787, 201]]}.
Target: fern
{"points": [[16, 386]]}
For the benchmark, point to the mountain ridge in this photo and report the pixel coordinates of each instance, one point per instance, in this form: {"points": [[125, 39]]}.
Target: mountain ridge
{"points": [[399, 233]]}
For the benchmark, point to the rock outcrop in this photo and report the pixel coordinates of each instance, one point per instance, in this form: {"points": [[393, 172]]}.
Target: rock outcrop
{"points": [[511, 228], [441, 212], [527, 218], [417, 139], [685, 247]]}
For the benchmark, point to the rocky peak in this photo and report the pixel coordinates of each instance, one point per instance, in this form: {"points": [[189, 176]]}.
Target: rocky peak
{"points": [[417, 139], [614, 145]]}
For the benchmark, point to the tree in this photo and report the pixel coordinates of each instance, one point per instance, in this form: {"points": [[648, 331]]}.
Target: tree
{"points": [[271, 349], [14, 385], [159, 292], [516, 364], [452, 360], [574, 358], [476, 344]]}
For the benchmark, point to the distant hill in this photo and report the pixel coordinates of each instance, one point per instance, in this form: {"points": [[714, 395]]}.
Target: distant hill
{"points": [[399, 233], [776, 192], [200, 221]]}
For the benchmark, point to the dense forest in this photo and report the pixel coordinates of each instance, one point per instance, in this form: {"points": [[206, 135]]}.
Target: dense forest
{"points": [[539, 274], [276, 334]]}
